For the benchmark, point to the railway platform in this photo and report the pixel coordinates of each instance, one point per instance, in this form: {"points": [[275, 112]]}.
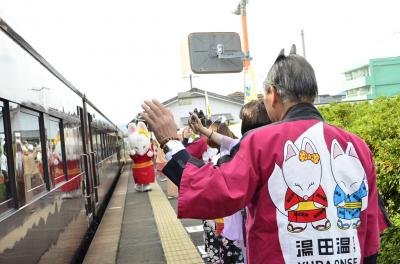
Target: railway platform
{"points": [[143, 228]]}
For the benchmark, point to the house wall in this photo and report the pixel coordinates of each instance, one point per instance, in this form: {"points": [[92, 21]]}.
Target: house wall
{"points": [[182, 107]]}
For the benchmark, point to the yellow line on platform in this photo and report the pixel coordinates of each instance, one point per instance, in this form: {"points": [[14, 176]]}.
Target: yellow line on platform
{"points": [[176, 243], [104, 246]]}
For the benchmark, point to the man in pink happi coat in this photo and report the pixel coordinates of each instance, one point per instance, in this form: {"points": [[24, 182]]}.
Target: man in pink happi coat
{"points": [[299, 156]]}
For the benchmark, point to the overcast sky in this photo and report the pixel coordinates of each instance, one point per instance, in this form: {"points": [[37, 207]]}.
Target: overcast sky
{"points": [[122, 52]]}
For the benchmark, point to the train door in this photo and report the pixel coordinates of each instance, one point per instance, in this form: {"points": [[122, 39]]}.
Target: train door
{"points": [[86, 163], [92, 155]]}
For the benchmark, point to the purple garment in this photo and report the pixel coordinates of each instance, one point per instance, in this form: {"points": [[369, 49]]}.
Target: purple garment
{"points": [[227, 144], [233, 227]]}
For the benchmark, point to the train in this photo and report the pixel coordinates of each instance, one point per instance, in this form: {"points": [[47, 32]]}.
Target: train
{"points": [[60, 158]]}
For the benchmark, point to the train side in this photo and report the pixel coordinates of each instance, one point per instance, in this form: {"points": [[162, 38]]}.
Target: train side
{"points": [[59, 158]]}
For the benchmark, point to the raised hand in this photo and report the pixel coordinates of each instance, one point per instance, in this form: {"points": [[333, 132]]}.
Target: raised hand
{"points": [[195, 123], [160, 120]]}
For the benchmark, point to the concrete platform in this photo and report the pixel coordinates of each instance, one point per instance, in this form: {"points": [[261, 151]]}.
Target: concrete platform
{"points": [[143, 228]]}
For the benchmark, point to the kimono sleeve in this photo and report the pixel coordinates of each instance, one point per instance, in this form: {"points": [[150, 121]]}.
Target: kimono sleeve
{"points": [[197, 147], [208, 191], [227, 144]]}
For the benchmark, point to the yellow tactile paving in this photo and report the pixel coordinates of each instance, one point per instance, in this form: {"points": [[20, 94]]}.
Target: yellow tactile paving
{"points": [[176, 243]]}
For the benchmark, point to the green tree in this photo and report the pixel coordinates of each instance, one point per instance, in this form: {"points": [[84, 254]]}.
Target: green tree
{"points": [[378, 123]]}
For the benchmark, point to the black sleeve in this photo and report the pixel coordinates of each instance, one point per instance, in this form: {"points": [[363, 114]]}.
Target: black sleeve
{"points": [[371, 259], [174, 168], [185, 142]]}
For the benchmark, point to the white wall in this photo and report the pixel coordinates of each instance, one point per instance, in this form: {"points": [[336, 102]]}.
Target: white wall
{"points": [[218, 106]]}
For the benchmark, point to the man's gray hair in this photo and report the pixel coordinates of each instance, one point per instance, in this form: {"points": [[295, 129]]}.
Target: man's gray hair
{"points": [[293, 78]]}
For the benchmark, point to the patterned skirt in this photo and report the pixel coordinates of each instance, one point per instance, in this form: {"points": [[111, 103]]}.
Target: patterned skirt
{"points": [[212, 242], [231, 251]]}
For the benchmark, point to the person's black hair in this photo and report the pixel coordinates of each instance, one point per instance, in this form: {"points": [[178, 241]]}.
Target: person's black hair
{"points": [[224, 129], [293, 78], [253, 115], [201, 116]]}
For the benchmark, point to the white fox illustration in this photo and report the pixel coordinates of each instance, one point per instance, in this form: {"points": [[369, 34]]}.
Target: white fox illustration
{"points": [[351, 192], [305, 200]]}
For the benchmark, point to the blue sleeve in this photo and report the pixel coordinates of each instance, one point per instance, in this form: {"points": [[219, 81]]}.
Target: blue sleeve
{"points": [[338, 196]]}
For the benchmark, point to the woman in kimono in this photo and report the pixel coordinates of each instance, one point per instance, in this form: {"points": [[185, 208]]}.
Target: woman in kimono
{"points": [[205, 149]]}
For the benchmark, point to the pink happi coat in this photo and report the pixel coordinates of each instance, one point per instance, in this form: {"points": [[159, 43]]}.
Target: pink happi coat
{"points": [[262, 168]]}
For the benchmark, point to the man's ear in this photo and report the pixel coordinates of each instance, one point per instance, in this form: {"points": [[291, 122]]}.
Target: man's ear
{"points": [[275, 98]]}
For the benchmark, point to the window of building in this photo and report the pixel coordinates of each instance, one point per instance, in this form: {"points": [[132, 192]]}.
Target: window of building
{"points": [[362, 72]]}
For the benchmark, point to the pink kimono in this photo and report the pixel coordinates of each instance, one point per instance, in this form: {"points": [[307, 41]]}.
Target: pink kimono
{"points": [[300, 153], [197, 147]]}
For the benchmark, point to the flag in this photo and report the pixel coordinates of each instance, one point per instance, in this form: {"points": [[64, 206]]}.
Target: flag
{"points": [[250, 91], [208, 107]]}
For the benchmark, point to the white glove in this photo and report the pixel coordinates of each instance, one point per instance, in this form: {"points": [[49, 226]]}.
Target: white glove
{"points": [[150, 154]]}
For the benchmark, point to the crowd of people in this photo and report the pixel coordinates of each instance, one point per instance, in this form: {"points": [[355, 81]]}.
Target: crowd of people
{"points": [[305, 189], [224, 237]]}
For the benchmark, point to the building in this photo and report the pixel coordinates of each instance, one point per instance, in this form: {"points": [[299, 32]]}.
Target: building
{"points": [[323, 99], [379, 77], [221, 105], [240, 96]]}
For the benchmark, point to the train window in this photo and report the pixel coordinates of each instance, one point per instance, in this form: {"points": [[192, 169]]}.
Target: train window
{"points": [[98, 140], [5, 187], [73, 149], [28, 156], [114, 145], [103, 148], [111, 145], [54, 153], [108, 145], [98, 149], [94, 141]]}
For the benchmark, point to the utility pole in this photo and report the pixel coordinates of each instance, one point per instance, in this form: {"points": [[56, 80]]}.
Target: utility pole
{"points": [[246, 61], [303, 43], [250, 91], [190, 77]]}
